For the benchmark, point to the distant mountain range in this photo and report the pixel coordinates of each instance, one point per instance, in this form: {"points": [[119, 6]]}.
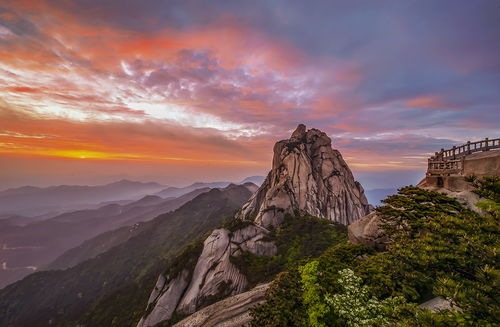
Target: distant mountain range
{"points": [[257, 180], [177, 191], [31, 243], [27, 204], [36, 201], [129, 267], [37, 244]]}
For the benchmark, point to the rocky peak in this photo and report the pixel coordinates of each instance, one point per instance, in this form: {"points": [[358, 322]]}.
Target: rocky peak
{"points": [[307, 175]]}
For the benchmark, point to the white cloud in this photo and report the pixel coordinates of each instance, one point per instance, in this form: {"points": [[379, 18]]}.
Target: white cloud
{"points": [[5, 32]]}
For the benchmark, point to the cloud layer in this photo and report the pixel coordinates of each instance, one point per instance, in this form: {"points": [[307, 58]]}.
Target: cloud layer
{"points": [[197, 83]]}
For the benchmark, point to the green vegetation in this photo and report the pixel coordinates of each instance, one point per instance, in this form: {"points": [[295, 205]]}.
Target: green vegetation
{"points": [[300, 237], [353, 306], [438, 248], [489, 189]]}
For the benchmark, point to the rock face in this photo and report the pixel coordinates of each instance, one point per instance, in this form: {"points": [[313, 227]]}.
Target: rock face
{"points": [[307, 175], [367, 231], [214, 274], [166, 301], [231, 312]]}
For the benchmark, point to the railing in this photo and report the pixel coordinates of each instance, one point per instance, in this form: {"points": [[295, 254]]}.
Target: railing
{"points": [[451, 161], [447, 166]]}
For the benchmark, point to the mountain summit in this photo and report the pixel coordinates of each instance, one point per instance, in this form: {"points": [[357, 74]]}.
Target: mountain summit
{"points": [[307, 176], [310, 176]]}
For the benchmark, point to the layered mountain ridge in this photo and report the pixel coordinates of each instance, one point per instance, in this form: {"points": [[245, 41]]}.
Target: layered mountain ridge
{"points": [[307, 176], [104, 290]]}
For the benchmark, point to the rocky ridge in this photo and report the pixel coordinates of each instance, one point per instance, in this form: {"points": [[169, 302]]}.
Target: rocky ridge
{"points": [[307, 176]]}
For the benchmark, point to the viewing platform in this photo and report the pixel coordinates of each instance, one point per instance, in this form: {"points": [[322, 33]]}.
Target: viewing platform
{"points": [[452, 161], [447, 168]]}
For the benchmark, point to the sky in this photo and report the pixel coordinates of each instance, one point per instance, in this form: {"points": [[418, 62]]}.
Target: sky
{"points": [[92, 91]]}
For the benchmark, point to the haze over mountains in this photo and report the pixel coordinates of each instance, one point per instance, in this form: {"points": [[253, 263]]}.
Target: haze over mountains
{"points": [[31, 243], [32, 234], [35, 201], [130, 267]]}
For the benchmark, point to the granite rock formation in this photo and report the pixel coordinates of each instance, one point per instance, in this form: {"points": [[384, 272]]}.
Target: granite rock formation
{"points": [[307, 176]]}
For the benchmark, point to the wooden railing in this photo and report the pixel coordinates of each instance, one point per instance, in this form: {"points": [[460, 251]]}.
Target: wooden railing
{"points": [[451, 161]]}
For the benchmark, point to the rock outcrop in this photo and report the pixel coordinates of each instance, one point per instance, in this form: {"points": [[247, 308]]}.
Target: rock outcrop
{"points": [[438, 304], [214, 274], [307, 176], [368, 231], [213, 277]]}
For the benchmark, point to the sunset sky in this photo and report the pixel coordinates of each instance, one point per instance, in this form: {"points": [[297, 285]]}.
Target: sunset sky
{"points": [[93, 91]]}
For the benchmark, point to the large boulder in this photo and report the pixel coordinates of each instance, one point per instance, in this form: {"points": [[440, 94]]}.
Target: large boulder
{"points": [[368, 231], [438, 304]]}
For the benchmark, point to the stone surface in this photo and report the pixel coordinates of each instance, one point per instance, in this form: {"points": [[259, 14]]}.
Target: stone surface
{"points": [[230, 312], [166, 301], [437, 304], [482, 164], [214, 275], [160, 284], [308, 175], [367, 231], [462, 193], [214, 271]]}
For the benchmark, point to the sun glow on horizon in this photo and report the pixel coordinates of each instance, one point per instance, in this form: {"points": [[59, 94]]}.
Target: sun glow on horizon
{"points": [[84, 82]]}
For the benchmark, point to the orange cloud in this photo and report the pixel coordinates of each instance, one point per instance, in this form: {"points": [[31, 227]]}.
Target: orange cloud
{"points": [[23, 135], [23, 89], [430, 102]]}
